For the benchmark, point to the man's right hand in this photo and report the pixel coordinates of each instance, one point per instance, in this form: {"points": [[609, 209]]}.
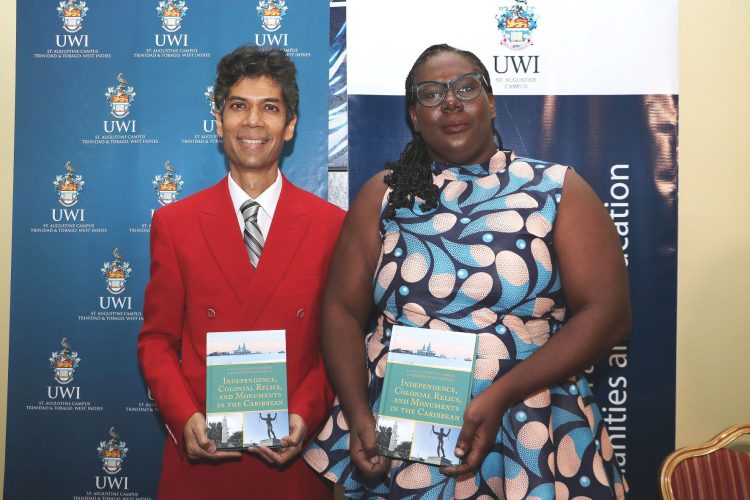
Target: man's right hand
{"points": [[197, 444]]}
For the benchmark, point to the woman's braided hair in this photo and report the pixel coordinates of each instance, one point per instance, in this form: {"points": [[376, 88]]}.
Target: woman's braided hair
{"points": [[411, 175]]}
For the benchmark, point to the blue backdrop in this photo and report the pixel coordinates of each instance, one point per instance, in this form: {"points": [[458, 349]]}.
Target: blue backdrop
{"points": [[80, 420]]}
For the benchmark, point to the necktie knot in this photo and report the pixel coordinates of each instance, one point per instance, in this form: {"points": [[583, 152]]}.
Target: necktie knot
{"points": [[253, 237], [249, 211]]}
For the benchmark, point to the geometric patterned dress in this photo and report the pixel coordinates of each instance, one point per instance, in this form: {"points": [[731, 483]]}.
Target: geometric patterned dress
{"points": [[483, 262]]}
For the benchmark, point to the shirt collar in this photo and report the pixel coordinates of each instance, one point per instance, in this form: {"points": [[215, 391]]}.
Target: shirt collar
{"points": [[267, 200]]}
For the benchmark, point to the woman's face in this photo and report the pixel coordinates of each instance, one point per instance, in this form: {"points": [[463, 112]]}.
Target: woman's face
{"points": [[455, 132]]}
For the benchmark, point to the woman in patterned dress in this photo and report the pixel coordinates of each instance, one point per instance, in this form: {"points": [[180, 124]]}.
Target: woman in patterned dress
{"points": [[459, 234]]}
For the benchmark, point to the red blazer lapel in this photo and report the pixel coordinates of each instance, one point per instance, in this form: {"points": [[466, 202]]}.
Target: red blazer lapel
{"points": [[288, 228], [224, 239]]}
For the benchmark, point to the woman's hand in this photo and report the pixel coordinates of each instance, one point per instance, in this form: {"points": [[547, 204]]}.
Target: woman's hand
{"points": [[347, 305], [364, 450], [482, 419]]}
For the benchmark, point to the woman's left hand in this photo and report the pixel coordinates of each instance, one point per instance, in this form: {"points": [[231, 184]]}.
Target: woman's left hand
{"points": [[482, 419]]}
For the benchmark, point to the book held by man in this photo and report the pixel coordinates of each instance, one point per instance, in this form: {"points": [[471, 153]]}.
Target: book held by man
{"points": [[246, 393], [426, 389]]}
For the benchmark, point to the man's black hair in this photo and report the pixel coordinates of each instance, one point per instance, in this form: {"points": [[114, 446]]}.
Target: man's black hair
{"points": [[251, 62]]}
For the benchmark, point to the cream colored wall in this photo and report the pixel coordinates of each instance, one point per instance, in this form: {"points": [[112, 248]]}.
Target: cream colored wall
{"points": [[7, 117], [713, 343]]}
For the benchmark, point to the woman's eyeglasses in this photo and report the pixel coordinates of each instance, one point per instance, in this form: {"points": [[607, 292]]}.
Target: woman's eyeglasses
{"points": [[465, 87]]}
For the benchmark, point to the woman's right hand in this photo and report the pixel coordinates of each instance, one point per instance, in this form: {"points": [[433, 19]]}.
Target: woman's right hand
{"points": [[347, 305], [364, 450]]}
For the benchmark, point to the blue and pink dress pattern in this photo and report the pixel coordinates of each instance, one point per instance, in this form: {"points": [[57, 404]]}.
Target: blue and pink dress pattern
{"points": [[483, 262]]}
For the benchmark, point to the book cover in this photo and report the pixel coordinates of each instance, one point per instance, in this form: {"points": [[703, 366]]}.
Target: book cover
{"points": [[426, 389], [246, 393]]}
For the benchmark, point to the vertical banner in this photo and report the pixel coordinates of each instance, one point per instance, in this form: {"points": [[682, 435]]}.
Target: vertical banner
{"points": [[338, 153], [576, 83], [114, 120]]}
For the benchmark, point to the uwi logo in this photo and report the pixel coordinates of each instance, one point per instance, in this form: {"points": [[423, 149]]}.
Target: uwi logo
{"points": [[167, 185], [516, 23], [120, 99], [112, 453], [210, 125], [72, 13], [64, 363], [68, 187], [271, 12], [116, 273], [171, 13]]}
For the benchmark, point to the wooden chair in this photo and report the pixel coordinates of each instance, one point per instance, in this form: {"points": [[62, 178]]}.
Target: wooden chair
{"points": [[708, 471]]}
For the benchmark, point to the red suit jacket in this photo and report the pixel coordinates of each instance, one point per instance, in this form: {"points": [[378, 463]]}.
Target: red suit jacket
{"points": [[202, 281]]}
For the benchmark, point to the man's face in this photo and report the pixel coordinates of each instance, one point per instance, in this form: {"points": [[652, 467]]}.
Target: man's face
{"points": [[253, 124]]}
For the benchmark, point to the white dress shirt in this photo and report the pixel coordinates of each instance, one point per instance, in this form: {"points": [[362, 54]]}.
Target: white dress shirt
{"points": [[267, 200]]}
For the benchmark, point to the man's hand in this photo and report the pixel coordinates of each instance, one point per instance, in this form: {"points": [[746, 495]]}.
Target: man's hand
{"points": [[291, 445], [482, 419], [364, 450], [197, 444]]}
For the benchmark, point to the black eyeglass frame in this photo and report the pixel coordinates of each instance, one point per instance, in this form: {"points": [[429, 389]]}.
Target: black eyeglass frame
{"points": [[448, 86]]}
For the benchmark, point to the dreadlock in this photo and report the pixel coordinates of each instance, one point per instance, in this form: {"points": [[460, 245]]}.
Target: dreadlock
{"points": [[411, 175]]}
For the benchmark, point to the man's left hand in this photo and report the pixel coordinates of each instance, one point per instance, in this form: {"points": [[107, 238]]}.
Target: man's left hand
{"points": [[291, 445]]}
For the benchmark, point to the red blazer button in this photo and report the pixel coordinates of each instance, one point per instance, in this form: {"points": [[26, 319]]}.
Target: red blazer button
{"points": [[211, 313], [300, 313]]}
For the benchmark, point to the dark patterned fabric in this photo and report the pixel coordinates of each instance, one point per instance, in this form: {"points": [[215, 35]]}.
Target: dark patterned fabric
{"points": [[483, 262]]}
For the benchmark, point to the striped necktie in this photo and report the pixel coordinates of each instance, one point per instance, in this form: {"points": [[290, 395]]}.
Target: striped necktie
{"points": [[252, 235]]}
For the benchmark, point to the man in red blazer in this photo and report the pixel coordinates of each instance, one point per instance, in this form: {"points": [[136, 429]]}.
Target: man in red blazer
{"points": [[250, 253]]}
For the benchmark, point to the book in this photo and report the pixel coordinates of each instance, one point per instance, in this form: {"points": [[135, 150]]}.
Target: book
{"points": [[246, 392], [426, 388]]}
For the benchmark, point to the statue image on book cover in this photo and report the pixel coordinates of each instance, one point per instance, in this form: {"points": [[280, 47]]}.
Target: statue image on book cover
{"points": [[395, 436], [440, 455], [426, 388], [268, 419]]}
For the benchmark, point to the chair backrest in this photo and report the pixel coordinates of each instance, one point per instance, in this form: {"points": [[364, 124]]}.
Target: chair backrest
{"points": [[708, 471]]}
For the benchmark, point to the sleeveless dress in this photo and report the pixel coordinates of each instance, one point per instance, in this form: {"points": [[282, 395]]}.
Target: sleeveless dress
{"points": [[483, 262]]}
